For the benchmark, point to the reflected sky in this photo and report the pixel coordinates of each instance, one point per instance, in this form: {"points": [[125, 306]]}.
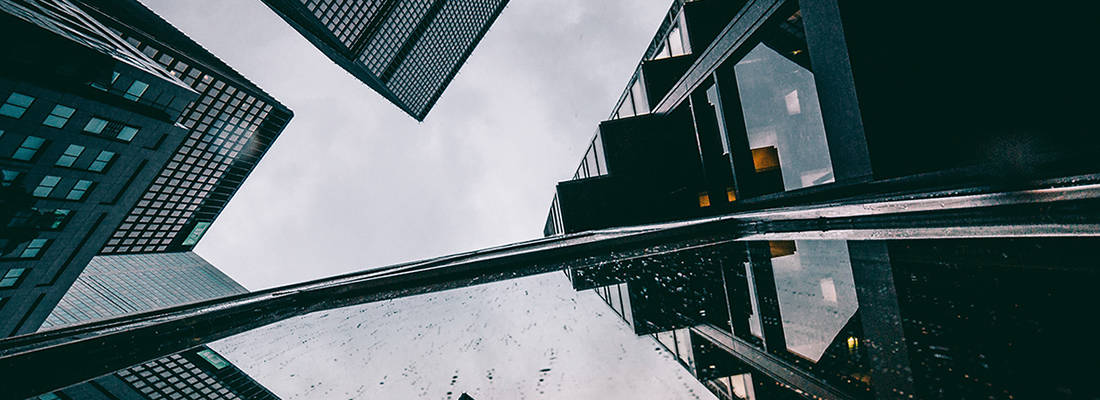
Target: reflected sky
{"points": [[533, 337]]}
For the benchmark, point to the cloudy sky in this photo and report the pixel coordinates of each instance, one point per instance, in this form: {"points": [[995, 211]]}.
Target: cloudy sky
{"points": [[353, 182]]}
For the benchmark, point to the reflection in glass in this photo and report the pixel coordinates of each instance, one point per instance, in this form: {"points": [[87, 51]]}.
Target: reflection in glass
{"points": [[816, 293], [783, 119]]}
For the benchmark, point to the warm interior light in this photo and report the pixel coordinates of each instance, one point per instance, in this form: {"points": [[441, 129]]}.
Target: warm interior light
{"points": [[765, 158], [704, 200], [730, 195], [852, 342], [780, 248]]}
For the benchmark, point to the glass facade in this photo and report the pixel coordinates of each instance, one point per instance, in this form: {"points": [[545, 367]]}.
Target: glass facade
{"points": [[407, 50], [230, 127], [115, 285]]}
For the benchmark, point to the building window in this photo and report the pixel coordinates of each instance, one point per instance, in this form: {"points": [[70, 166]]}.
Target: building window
{"points": [[69, 157], [95, 125], [59, 217], [46, 186], [127, 133], [16, 105], [102, 161], [34, 248], [213, 358], [59, 116], [29, 148], [8, 177], [79, 190], [11, 278], [136, 90]]}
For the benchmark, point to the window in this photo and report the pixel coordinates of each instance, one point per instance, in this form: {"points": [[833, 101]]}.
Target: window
{"points": [[34, 248], [127, 133], [16, 105], [7, 177], [12, 277], [46, 186], [59, 116], [79, 189], [102, 161], [95, 125], [136, 90], [29, 148], [213, 358], [69, 157], [59, 217]]}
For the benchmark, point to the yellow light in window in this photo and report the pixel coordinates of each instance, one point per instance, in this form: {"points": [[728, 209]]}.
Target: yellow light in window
{"points": [[704, 200], [731, 195], [852, 342]]}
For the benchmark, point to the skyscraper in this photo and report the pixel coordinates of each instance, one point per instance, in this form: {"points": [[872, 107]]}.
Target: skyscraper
{"points": [[214, 134], [740, 109], [408, 51], [114, 285], [85, 123]]}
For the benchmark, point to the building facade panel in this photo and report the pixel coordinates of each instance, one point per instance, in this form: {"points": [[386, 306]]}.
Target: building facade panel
{"points": [[408, 51]]}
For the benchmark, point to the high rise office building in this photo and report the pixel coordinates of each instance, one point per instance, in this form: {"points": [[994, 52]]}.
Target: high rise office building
{"points": [[408, 51], [215, 131], [117, 285], [85, 123], [747, 106]]}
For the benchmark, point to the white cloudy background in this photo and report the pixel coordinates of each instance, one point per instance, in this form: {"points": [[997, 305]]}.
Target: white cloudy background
{"points": [[353, 183]]}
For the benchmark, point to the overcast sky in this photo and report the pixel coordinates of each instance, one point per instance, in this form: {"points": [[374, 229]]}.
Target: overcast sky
{"points": [[353, 182]]}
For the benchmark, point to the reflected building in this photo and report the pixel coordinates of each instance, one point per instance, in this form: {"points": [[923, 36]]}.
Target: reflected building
{"points": [[406, 50], [132, 145], [749, 107]]}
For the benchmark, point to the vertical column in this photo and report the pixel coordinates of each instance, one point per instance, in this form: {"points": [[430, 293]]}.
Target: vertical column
{"points": [[840, 111], [740, 152], [880, 315]]}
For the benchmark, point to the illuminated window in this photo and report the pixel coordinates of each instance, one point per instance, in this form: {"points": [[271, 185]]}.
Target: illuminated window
{"points": [[79, 190], [136, 90], [46, 186], [95, 125], [16, 105], [59, 116], [731, 195], [69, 157], [102, 161], [127, 133], [11, 278], [704, 200], [29, 148]]}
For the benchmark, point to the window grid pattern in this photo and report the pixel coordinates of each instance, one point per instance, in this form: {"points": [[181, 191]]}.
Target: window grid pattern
{"points": [[428, 66], [220, 125], [124, 284], [180, 376], [345, 19], [392, 33]]}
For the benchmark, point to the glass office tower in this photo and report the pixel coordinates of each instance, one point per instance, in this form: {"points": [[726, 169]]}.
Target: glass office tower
{"points": [[124, 284], [408, 51], [86, 121], [742, 109], [118, 285]]}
